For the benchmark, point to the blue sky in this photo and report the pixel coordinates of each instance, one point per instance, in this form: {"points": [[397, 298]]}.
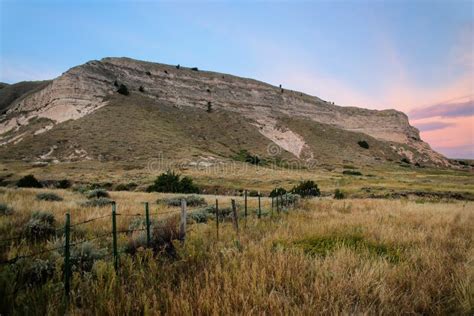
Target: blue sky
{"points": [[408, 55]]}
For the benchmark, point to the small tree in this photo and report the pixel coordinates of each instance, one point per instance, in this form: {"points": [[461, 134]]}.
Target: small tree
{"points": [[306, 189], [171, 182], [123, 89], [141, 89], [28, 181]]}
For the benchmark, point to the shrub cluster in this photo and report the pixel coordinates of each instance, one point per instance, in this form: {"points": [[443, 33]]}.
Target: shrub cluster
{"points": [[29, 181], [277, 192], [172, 182], [306, 189], [126, 186], [97, 193], [123, 89], [48, 196], [40, 226], [97, 202], [191, 200]]}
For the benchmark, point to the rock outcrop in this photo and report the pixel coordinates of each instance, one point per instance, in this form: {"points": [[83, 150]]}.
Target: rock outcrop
{"points": [[83, 89]]}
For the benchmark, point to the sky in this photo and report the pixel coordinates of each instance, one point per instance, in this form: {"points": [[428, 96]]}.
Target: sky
{"points": [[413, 56]]}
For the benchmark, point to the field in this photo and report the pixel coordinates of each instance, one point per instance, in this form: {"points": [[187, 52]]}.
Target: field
{"points": [[325, 256]]}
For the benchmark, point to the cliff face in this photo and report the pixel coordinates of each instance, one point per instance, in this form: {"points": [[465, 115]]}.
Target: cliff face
{"points": [[84, 89]]}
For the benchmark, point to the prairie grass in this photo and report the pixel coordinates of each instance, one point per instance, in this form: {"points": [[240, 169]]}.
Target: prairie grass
{"points": [[355, 256]]}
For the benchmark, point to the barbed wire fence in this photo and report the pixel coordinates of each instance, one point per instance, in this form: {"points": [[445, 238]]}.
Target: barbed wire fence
{"points": [[279, 203]]}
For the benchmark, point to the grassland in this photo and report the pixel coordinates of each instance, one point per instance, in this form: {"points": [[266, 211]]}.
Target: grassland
{"points": [[354, 256]]}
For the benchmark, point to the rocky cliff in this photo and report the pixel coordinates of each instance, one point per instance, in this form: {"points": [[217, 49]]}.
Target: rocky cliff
{"points": [[84, 89]]}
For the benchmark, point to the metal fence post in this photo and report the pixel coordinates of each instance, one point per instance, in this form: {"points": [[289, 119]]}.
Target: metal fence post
{"points": [[147, 219], [245, 203], [67, 254], [259, 206], [114, 236]]}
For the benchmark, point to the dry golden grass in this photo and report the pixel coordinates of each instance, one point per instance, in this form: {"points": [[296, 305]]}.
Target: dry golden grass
{"points": [[263, 270]]}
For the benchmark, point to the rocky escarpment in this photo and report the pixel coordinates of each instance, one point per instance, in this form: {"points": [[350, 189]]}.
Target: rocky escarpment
{"points": [[84, 89]]}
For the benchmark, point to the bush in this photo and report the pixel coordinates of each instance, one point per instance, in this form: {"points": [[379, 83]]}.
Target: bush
{"points": [[141, 89], [35, 272], [97, 202], [199, 216], [84, 255], [148, 73], [40, 226], [253, 193], [97, 193], [64, 184], [48, 196], [195, 69], [126, 186], [162, 236], [123, 89], [338, 194], [277, 192], [5, 209], [191, 200], [171, 182], [363, 144], [306, 188], [352, 173], [28, 181]]}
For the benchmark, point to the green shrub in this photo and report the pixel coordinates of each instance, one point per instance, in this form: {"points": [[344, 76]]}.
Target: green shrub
{"points": [[306, 189], [171, 182], [351, 173], [28, 181], [363, 144], [338, 194], [277, 192], [40, 226], [48, 196], [34, 272], [97, 193], [141, 89], [84, 255], [199, 216], [123, 89], [191, 200], [126, 186], [195, 69], [97, 202], [5, 209]]}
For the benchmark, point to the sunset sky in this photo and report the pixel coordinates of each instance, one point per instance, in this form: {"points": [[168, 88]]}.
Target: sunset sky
{"points": [[413, 56]]}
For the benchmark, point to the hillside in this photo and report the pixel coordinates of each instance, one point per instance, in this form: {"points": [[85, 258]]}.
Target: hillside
{"points": [[80, 116]]}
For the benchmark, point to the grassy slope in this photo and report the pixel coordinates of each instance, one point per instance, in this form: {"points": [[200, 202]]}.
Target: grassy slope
{"points": [[411, 259]]}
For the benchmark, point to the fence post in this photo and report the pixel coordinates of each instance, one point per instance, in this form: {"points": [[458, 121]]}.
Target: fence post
{"points": [[147, 221], [67, 254], [182, 226], [114, 236], [217, 219], [259, 206], [235, 216], [278, 203], [286, 199], [272, 203], [245, 204]]}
